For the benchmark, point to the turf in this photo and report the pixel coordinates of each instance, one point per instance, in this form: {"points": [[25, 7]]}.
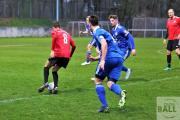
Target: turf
{"points": [[21, 65]]}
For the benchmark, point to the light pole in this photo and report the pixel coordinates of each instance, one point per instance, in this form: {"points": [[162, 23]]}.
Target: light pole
{"points": [[57, 10]]}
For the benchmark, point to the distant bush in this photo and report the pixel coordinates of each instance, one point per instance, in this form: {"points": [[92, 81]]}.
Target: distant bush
{"points": [[19, 22]]}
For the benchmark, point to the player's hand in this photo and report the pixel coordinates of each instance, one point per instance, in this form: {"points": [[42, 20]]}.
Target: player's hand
{"points": [[91, 58], [133, 52], [101, 64], [52, 54], [164, 42], [80, 32]]}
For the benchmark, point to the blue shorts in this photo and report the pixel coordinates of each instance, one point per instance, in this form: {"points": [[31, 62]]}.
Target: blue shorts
{"points": [[112, 69], [127, 54]]}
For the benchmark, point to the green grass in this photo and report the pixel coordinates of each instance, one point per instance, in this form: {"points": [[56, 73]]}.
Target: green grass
{"points": [[21, 74], [25, 22]]}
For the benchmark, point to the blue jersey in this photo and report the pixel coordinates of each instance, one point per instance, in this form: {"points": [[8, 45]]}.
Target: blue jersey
{"points": [[123, 37], [112, 47], [88, 29]]}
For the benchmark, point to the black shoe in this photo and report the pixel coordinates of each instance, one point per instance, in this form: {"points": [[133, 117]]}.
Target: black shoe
{"points": [[104, 109], [55, 90], [41, 89]]}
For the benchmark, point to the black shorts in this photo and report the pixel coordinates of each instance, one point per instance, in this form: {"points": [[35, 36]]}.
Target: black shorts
{"points": [[60, 61], [173, 44]]}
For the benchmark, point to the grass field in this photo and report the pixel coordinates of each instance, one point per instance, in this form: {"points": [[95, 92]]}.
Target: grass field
{"points": [[21, 64]]}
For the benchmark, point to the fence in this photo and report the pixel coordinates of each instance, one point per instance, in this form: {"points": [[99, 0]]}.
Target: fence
{"points": [[148, 32]]}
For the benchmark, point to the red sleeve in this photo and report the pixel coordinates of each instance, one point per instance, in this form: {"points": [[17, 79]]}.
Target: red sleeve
{"points": [[72, 41], [53, 39]]}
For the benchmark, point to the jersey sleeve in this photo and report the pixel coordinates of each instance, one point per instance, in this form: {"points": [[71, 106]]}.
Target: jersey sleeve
{"points": [[131, 41], [53, 34], [72, 43]]}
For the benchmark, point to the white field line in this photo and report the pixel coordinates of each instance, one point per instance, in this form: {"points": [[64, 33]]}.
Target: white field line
{"points": [[20, 45], [161, 52], [11, 100]]}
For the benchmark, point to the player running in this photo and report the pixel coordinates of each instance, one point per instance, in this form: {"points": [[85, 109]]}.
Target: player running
{"points": [[173, 35], [109, 65], [124, 39], [91, 44], [62, 49]]}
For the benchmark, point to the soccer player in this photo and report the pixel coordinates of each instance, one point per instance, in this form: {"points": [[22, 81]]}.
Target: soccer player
{"points": [[124, 39], [173, 35], [62, 49], [91, 44], [109, 65]]}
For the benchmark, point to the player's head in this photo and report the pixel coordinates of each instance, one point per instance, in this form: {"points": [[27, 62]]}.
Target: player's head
{"points": [[171, 13], [113, 20], [93, 20], [87, 19], [56, 24]]}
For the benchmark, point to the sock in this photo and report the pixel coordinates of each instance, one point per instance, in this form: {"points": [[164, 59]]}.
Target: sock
{"points": [[169, 60], [100, 91], [124, 68], [46, 74], [116, 89], [179, 57], [88, 53], [55, 78]]}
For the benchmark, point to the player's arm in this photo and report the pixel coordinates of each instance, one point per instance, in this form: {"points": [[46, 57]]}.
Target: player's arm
{"points": [[103, 51], [96, 58], [73, 46], [53, 43], [164, 40], [131, 41]]}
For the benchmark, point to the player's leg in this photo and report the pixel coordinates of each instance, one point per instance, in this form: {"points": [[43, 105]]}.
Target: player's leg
{"points": [[60, 62], [88, 53], [177, 49], [100, 90], [124, 68], [168, 54], [49, 63], [114, 72], [55, 78]]}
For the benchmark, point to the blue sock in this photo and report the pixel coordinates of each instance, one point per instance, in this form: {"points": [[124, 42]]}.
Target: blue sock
{"points": [[116, 89], [124, 68], [100, 90]]}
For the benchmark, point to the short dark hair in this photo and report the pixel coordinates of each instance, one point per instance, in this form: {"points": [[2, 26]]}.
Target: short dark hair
{"points": [[56, 24], [113, 16], [93, 19]]}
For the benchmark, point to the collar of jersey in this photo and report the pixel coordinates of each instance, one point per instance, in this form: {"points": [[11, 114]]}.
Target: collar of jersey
{"points": [[95, 28], [116, 26]]}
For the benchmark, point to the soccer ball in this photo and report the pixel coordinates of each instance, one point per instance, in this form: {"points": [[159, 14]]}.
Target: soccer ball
{"points": [[51, 86]]}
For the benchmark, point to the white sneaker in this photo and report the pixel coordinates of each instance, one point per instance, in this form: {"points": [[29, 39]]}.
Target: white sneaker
{"points": [[122, 100], [128, 73], [85, 63]]}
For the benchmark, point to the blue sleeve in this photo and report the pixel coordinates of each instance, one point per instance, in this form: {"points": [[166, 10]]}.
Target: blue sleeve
{"points": [[131, 41]]}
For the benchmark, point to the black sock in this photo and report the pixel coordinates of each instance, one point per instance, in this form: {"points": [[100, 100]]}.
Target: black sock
{"points": [[179, 57], [169, 60], [46, 74], [55, 78]]}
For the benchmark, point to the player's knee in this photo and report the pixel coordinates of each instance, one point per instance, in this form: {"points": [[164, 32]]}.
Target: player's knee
{"points": [[168, 53], [109, 84], [178, 51], [98, 81]]}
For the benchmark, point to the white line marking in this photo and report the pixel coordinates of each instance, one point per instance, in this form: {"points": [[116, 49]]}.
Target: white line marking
{"points": [[20, 45], [11, 100], [6, 101], [161, 52]]}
